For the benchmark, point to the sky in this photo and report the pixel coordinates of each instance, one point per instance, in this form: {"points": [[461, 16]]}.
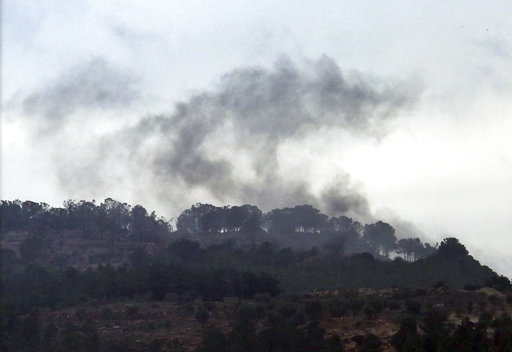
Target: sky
{"points": [[396, 110]]}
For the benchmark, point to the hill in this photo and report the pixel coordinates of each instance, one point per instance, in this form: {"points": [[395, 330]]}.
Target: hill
{"points": [[94, 273]]}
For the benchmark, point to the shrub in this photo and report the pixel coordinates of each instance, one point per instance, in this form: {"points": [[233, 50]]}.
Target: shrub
{"points": [[337, 309], [107, 313], [81, 313], [313, 309], [370, 343], [413, 307], [263, 297], [202, 316], [131, 311]]}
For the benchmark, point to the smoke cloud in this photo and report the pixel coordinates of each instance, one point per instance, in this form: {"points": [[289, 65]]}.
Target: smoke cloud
{"points": [[225, 144], [95, 84]]}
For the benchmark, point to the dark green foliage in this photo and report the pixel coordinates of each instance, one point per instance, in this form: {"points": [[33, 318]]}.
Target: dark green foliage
{"points": [[109, 220], [187, 271], [155, 345], [370, 343], [107, 313], [354, 305], [434, 328], [452, 248], [184, 249], [214, 340], [35, 286], [115, 221], [413, 307], [138, 258], [467, 337], [500, 283], [407, 338], [502, 339], [79, 339], [433, 323], [202, 316], [132, 311], [49, 339], [284, 257], [286, 309], [70, 338], [313, 337], [31, 331], [313, 310], [31, 249], [243, 336], [333, 344], [203, 218], [302, 218], [336, 308], [81, 313], [250, 311], [381, 235]]}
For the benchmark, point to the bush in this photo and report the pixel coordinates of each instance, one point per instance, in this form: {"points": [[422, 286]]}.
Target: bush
{"points": [[81, 313], [286, 309], [369, 311], [298, 318], [337, 309], [202, 316], [132, 311], [263, 297], [394, 305], [107, 313], [509, 298], [214, 340], [370, 343], [355, 305], [313, 309], [413, 307], [171, 297]]}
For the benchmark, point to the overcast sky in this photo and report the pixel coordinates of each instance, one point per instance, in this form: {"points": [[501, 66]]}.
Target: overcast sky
{"points": [[106, 98]]}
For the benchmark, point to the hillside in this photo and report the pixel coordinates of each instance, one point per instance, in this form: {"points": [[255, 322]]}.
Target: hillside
{"points": [[113, 276]]}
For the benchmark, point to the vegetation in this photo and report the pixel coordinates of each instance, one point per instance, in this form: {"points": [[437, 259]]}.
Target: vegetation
{"points": [[290, 275]]}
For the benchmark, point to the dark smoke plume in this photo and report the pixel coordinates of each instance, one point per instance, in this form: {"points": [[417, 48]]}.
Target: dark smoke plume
{"points": [[225, 145], [92, 85]]}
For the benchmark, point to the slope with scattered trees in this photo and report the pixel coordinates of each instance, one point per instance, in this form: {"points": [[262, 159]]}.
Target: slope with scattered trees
{"points": [[87, 254]]}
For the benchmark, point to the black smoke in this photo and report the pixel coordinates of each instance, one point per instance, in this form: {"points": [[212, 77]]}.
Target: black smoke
{"points": [[225, 144], [95, 84]]}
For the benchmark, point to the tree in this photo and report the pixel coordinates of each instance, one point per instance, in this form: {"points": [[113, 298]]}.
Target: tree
{"points": [[138, 258], [301, 218], [199, 218], [412, 248], [452, 248], [83, 215], [202, 316], [436, 333], [246, 218], [381, 236], [184, 249], [31, 249], [117, 216], [11, 215], [370, 343], [407, 338], [500, 283], [214, 340], [139, 224], [243, 336]]}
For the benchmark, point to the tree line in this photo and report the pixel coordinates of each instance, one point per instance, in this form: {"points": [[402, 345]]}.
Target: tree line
{"points": [[113, 221]]}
